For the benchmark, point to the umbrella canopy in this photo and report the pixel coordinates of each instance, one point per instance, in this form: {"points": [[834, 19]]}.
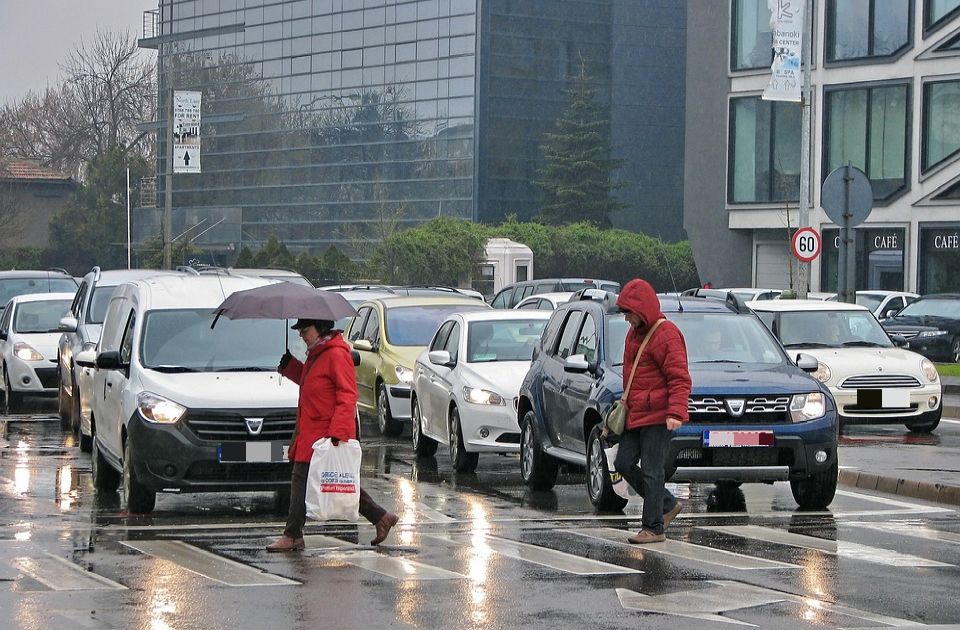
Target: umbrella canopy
{"points": [[284, 300]]}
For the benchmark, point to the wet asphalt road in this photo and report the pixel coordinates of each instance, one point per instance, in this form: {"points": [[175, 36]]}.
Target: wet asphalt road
{"points": [[472, 551]]}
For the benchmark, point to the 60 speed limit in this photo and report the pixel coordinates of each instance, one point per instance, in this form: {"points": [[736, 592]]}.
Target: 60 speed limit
{"points": [[806, 244]]}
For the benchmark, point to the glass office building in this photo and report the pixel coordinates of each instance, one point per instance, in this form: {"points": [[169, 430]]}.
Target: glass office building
{"points": [[335, 122]]}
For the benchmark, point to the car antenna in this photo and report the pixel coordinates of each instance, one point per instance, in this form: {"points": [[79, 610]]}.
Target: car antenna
{"points": [[666, 261]]}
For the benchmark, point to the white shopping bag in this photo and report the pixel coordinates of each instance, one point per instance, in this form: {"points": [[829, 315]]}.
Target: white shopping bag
{"points": [[620, 485], [333, 483]]}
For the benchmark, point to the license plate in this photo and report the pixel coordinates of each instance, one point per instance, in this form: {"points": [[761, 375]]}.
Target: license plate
{"points": [[883, 398], [737, 438], [263, 452]]}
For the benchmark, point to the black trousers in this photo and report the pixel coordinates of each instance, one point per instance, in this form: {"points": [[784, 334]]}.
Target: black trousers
{"points": [[648, 445], [297, 515]]}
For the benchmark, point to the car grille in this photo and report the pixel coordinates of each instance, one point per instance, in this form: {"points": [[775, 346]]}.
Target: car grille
{"points": [[854, 409], [278, 472], [876, 381], [49, 378], [906, 334], [740, 456], [230, 425], [758, 409]]}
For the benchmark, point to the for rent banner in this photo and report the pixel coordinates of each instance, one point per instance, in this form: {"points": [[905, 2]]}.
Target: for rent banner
{"points": [[786, 25], [186, 132]]}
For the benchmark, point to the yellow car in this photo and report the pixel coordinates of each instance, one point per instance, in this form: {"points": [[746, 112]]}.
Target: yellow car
{"points": [[389, 334]]}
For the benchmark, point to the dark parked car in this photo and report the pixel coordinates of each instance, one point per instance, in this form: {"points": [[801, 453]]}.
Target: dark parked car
{"points": [[931, 326], [22, 282], [756, 415]]}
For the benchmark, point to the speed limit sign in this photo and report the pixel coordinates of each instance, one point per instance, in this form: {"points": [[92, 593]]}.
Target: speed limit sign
{"points": [[806, 244]]}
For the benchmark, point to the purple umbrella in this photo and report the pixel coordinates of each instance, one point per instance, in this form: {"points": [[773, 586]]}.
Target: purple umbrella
{"points": [[284, 300]]}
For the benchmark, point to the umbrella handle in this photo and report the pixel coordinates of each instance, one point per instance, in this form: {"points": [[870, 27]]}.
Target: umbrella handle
{"points": [[216, 319]]}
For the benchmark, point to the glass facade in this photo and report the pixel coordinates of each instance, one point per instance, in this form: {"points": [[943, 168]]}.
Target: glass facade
{"points": [[937, 11], [764, 162], [751, 42], [869, 128], [857, 29], [939, 258], [941, 121], [879, 258]]}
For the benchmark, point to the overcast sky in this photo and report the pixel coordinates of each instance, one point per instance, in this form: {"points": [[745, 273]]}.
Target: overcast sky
{"points": [[36, 34]]}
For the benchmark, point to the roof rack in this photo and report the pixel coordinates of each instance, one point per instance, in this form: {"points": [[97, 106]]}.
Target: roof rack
{"points": [[731, 299], [187, 269], [96, 273]]}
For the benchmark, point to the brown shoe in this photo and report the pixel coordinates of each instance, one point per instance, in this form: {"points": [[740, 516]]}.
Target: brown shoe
{"points": [[384, 525], [672, 514], [285, 543], [645, 536]]}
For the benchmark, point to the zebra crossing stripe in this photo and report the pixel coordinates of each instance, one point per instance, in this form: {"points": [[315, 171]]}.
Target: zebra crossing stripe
{"points": [[914, 529], [842, 548], [685, 551], [366, 557], [207, 564], [59, 574], [551, 558]]}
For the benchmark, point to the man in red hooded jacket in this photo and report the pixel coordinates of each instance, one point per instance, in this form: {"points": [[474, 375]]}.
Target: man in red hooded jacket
{"points": [[657, 405], [327, 408]]}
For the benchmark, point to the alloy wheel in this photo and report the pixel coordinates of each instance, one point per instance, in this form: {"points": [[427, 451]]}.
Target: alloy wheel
{"points": [[526, 445], [382, 413], [595, 470], [454, 437], [415, 424], [955, 350]]}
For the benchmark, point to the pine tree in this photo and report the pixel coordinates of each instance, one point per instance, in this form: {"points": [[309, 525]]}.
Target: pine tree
{"points": [[576, 178]]}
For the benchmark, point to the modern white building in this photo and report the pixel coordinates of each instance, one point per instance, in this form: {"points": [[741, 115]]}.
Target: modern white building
{"points": [[886, 98]]}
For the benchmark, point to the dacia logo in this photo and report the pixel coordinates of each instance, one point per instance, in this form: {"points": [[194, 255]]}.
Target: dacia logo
{"points": [[735, 406], [254, 425]]}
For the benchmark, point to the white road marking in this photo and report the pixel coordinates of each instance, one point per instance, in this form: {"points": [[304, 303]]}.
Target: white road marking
{"points": [[206, 564], [59, 574], [915, 529], [686, 551], [948, 421], [890, 501], [551, 558], [840, 548], [367, 558]]}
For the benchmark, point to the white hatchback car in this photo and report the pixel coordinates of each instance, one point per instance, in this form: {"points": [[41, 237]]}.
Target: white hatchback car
{"points": [[872, 380], [465, 385], [544, 301], [29, 332]]}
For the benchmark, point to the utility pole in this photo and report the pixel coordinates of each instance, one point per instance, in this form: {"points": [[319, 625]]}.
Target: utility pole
{"points": [[803, 269], [128, 218], [168, 186]]}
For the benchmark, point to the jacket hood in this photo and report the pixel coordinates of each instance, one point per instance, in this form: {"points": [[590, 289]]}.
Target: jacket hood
{"points": [[640, 298]]}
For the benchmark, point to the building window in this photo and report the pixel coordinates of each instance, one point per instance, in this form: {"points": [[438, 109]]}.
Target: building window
{"points": [[764, 161], [937, 11], [879, 259], [939, 258], [868, 128], [941, 122], [751, 44], [857, 29]]}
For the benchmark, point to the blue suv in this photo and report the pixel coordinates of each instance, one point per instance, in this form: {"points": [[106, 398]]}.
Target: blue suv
{"points": [[756, 415]]}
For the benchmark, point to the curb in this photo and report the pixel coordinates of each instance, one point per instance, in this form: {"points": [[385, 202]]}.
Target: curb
{"points": [[935, 492]]}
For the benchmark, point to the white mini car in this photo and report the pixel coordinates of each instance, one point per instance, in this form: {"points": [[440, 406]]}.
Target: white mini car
{"points": [[544, 301], [29, 332], [465, 385], [872, 380]]}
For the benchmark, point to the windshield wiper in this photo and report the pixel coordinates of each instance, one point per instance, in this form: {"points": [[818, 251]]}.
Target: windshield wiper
{"points": [[809, 344], [172, 369], [863, 344], [720, 361], [244, 369]]}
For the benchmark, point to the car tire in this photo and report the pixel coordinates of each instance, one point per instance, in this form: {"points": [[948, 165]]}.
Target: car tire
{"points": [[463, 461], [86, 443], [75, 414], [539, 470], [64, 408], [13, 400], [387, 425], [602, 495], [930, 422], [138, 498], [955, 349], [105, 477], [423, 446], [816, 492]]}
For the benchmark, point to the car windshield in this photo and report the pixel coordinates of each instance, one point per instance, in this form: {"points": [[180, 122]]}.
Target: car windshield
{"points": [[292, 280], [831, 329], [869, 301], [12, 287], [99, 304], [416, 325], [182, 341], [42, 316], [503, 340], [726, 338], [932, 308]]}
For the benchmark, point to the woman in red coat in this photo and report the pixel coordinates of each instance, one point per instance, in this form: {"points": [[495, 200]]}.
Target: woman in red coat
{"points": [[327, 408]]}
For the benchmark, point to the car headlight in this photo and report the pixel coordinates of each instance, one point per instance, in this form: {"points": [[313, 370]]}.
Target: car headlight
{"points": [[404, 374], [26, 352], [482, 396], [158, 409], [823, 373], [805, 407], [929, 370], [930, 333]]}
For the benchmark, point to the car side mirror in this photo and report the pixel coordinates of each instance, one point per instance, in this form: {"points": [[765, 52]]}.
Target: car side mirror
{"points": [[576, 363], [67, 324], [86, 358], [356, 357], [807, 363], [899, 341], [110, 360], [363, 344], [440, 357]]}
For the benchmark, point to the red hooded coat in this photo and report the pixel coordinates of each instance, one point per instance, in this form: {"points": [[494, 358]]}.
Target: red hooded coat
{"points": [[328, 395], [661, 385]]}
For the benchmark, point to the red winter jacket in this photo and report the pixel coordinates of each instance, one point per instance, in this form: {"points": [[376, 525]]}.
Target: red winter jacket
{"points": [[661, 385], [328, 395]]}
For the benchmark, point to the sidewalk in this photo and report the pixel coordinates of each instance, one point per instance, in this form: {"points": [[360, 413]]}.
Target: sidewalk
{"points": [[924, 470]]}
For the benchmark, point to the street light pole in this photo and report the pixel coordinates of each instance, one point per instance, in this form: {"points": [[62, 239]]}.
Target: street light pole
{"points": [[168, 190]]}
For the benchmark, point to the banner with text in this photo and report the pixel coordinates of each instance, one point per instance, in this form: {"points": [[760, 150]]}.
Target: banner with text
{"points": [[786, 26], [186, 132]]}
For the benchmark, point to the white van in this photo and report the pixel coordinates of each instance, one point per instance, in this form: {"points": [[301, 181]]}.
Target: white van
{"points": [[181, 407]]}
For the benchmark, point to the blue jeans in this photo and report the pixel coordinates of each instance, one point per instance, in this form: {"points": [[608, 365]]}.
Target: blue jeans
{"points": [[648, 445]]}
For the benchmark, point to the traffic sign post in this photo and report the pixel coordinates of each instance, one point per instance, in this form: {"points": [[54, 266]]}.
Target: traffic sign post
{"points": [[847, 198], [806, 244]]}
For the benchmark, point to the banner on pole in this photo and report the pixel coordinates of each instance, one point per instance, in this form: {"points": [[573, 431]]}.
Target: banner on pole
{"points": [[786, 26], [186, 132]]}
